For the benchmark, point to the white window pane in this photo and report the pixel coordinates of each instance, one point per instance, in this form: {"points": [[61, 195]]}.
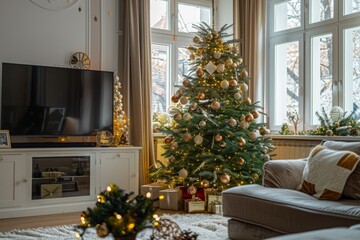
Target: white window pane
{"points": [[286, 81], [321, 74], [351, 6], [321, 10], [160, 55], [287, 15], [352, 68], [183, 64], [192, 14], [159, 14]]}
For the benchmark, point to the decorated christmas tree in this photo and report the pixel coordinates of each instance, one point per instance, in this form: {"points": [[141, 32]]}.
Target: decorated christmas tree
{"points": [[214, 138]]}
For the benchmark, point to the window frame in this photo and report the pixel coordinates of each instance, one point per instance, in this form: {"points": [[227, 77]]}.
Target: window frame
{"points": [[271, 66], [175, 39], [337, 28]]}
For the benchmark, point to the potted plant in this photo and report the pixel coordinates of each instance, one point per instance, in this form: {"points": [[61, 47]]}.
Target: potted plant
{"points": [[118, 213]]}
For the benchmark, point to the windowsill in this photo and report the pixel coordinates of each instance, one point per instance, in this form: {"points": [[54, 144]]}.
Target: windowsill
{"points": [[295, 137], [315, 137]]}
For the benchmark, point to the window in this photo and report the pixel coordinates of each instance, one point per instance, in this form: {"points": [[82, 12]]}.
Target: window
{"points": [[313, 61], [172, 31]]}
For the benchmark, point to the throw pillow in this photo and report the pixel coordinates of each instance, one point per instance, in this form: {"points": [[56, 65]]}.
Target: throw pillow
{"points": [[327, 171]]}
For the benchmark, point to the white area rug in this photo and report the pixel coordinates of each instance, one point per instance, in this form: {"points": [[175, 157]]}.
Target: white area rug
{"points": [[209, 227]]}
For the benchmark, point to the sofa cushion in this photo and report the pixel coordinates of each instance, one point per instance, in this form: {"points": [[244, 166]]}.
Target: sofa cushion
{"points": [[352, 186], [286, 210], [321, 168]]}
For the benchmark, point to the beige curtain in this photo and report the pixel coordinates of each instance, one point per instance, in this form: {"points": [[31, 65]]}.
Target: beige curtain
{"points": [[250, 26], [135, 74]]}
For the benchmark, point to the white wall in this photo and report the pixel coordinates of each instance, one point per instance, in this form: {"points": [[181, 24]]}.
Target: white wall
{"points": [[30, 34]]}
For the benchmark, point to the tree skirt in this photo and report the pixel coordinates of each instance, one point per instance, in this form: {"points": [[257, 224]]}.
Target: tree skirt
{"points": [[206, 226]]}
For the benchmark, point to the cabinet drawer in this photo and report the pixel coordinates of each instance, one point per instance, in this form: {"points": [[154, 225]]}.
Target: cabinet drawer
{"points": [[116, 155], [9, 157]]}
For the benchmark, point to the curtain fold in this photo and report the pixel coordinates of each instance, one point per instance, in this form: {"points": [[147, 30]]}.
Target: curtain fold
{"points": [[135, 74], [250, 27]]}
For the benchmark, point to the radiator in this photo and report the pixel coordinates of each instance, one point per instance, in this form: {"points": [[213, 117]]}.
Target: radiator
{"points": [[292, 149]]}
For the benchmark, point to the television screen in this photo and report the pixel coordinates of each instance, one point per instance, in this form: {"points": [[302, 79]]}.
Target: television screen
{"points": [[41, 100]]}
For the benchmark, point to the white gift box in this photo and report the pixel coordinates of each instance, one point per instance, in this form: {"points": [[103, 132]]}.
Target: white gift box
{"points": [[194, 206]]}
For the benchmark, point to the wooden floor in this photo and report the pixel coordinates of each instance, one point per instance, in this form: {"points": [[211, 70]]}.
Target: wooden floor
{"points": [[50, 220]]}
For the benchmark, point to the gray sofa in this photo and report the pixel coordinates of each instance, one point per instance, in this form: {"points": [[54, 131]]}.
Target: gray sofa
{"points": [[277, 208]]}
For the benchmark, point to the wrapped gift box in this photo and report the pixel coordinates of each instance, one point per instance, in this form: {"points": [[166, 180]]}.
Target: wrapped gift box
{"points": [[213, 198], [199, 194], [154, 189], [172, 199], [194, 206], [215, 207]]}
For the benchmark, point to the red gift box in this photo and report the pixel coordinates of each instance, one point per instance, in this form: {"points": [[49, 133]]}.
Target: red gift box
{"points": [[200, 193]]}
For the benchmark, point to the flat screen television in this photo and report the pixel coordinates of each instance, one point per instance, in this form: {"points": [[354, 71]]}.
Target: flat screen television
{"points": [[55, 101]]}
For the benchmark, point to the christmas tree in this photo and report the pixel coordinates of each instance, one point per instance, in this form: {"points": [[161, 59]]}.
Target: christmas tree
{"points": [[214, 139]]}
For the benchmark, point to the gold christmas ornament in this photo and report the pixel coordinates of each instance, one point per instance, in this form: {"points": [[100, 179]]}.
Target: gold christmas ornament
{"points": [[253, 135], [243, 87], [209, 36], [237, 96], [217, 55], [191, 48], [249, 118], [241, 162], [215, 105], [225, 178], [192, 190], [266, 157], [173, 146], [198, 139], [255, 113], [241, 142], [183, 100], [102, 230], [183, 173], [193, 106], [178, 93], [244, 125], [192, 57], [218, 137], [248, 101], [262, 130], [240, 61], [201, 96], [223, 144], [198, 51], [255, 176], [205, 183], [232, 122], [178, 116], [220, 68], [242, 118], [174, 99], [233, 83], [187, 116], [244, 74], [224, 84], [187, 137], [202, 124], [196, 39], [168, 140], [186, 83]]}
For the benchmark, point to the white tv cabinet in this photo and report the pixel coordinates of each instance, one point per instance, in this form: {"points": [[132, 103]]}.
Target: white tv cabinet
{"points": [[58, 187]]}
